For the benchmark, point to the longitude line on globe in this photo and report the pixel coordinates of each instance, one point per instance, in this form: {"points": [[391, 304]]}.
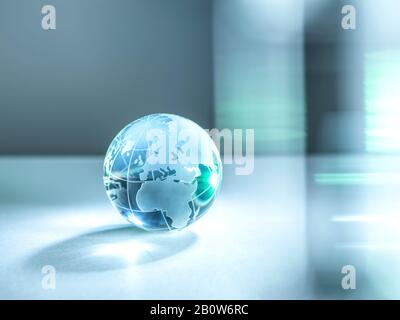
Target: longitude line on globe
{"points": [[129, 166]]}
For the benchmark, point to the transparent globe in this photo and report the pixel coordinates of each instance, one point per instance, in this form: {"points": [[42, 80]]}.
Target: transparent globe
{"points": [[162, 172]]}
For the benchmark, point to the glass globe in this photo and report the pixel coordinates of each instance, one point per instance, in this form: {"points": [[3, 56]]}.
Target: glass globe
{"points": [[162, 172]]}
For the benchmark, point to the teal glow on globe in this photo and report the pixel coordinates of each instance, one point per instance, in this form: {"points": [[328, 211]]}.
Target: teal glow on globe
{"points": [[162, 172]]}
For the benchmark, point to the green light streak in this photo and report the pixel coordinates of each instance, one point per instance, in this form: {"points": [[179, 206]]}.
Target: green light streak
{"points": [[371, 178]]}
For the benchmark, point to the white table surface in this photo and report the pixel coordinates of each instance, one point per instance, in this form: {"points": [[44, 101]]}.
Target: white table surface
{"points": [[283, 232]]}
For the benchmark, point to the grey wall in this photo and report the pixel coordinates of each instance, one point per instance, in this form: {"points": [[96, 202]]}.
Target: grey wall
{"points": [[70, 90], [334, 71]]}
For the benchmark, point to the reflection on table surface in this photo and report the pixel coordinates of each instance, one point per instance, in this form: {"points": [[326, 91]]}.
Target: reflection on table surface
{"points": [[284, 232]]}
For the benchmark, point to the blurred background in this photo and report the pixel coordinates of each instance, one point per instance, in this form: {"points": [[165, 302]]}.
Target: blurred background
{"points": [[323, 101]]}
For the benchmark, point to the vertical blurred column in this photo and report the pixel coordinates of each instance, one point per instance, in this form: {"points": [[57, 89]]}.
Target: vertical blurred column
{"points": [[382, 141], [334, 79], [335, 127], [258, 56], [382, 76], [353, 104]]}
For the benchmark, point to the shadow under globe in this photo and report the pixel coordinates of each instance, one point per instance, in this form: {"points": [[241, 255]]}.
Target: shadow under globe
{"points": [[111, 248]]}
